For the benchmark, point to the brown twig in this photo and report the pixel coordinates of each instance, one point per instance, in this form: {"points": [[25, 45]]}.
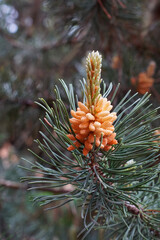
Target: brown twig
{"points": [[104, 9], [23, 186], [121, 4], [22, 45], [14, 42], [11, 184], [24, 102]]}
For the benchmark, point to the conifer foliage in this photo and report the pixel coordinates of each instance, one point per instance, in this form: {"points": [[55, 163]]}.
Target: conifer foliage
{"points": [[111, 165]]}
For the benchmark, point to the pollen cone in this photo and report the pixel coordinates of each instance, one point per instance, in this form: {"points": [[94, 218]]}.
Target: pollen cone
{"points": [[93, 119], [144, 81]]}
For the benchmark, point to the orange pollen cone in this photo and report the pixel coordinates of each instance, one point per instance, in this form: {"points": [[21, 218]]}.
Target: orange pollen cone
{"points": [[92, 126], [144, 81]]}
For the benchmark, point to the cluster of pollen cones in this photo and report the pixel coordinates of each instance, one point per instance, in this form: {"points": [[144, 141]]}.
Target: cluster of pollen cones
{"points": [[145, 80], [89, 127]]}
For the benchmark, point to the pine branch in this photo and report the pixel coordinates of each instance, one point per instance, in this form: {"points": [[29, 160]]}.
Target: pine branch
{"points": [[114, 157]]}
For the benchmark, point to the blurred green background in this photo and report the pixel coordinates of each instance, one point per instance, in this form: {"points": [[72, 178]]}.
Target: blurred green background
{"points": [[40, 42]]}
